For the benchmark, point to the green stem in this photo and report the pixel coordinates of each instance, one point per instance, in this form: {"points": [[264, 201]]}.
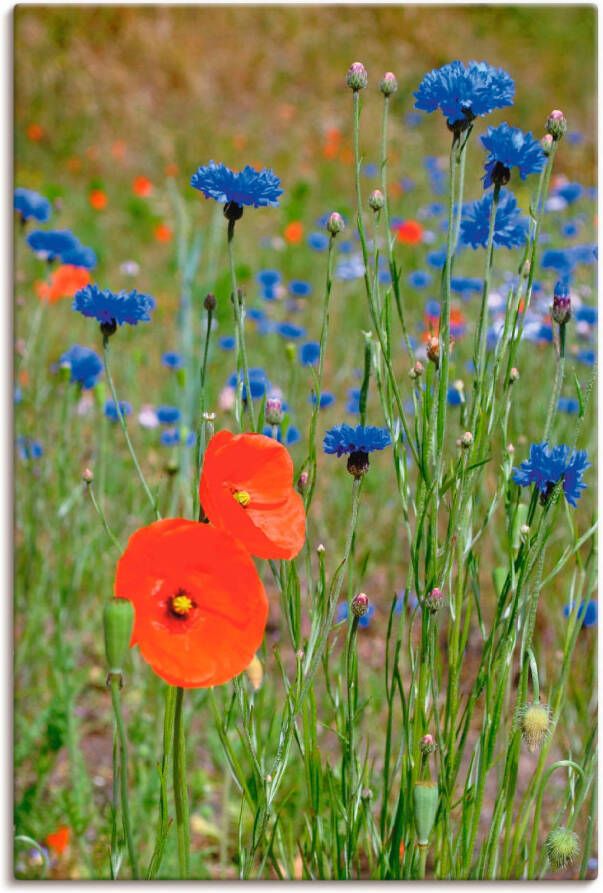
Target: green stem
{"points": [[164, 819], [123, 759], [180, 788], [101, 515], [240, 327], [479, 356], [124, 428], [556, 392]]}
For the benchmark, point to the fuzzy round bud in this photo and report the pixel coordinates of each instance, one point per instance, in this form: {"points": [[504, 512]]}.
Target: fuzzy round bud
{"points": [[435, 600], [335, 223], [87, 475], [467, 440], [302, 482], [556, 124], [428, 744], [513, 375], [561, 847], [388, 84], [356, 78], [547, 143], [320, 549], [118, 621], [534, 721], [273, 411], [510, 449], [417, 370], [210, 302], [360, 604], [433, 350], [561, 311], [376, 200]]}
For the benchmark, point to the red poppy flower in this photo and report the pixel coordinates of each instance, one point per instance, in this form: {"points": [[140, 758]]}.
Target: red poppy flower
{"points": [[58, 840], [98, 199], [142, 186], [294, 232], [162, 233], [35, 132], [247, 488], [410, 232], [200, 607], [64, 282]]}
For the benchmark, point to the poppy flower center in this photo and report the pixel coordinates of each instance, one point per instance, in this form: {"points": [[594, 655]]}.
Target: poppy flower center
{"points": [[180, 604], [242, 497]]}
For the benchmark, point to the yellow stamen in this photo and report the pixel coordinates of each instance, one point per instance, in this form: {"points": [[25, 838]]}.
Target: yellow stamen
{"points": [[242, 497], [181, 604]]}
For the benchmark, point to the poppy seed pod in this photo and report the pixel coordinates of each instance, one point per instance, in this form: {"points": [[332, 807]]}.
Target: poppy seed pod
{"points": [[118, 622], [425, 797], [562, 847]]}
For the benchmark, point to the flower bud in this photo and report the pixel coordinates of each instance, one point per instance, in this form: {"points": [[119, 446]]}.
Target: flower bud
{"points": [[547, 143], [467, 440], [561, 311], [302, 482], [520, 519], [210, 302], [335, 223], [118, 620], [273, 411], [561, 847], [417, 370], [87, 475], [513, 375], [360, 604], [388, 83], [435, 600], [356, 78], [534, 722], [556, 124], [255, 672], [433, 350], [425, 796], [376, 200], [428, 744], [320, 549]]}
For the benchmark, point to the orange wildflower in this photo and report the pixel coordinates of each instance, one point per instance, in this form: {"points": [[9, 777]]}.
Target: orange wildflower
{"points": [[64, 282], [59, 839], [200, 606], [163, 233], [247, 488], [98, 199], [142, 186], [171, 169], [410, 232], [35, 132], [294, 232]]}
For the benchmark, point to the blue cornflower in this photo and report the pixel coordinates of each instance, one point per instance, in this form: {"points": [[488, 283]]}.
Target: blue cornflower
{"points": [[455, 397], [561, 260], [172, 437], [227, 342], [257, 189], [570, 230], [465, 284], [290, 330], [30, 204], [326, 399], [587, 314], [80, 256], [299, 288], [586, 356], [344, 439], [510, 147], [436, 259], [111, 409], [309, 353], [168, 415], [52, 243], [292, 436], [85, 365], [353, 404], [510, 227], [588, 613], [29, 450], [546, 466], [318, 241], [370, 170], [432, 308], [258, 383], [113, 309], [571, 192], [464, 92], [363, 622], [568, 404], [419, 279], [172, 360], [255, 314], [268, 278]]}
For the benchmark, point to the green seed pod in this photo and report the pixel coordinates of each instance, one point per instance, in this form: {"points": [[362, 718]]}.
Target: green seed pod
{"points": [[562, 847], [426, 805], [520, 519], [118, 620], [499, 575]]}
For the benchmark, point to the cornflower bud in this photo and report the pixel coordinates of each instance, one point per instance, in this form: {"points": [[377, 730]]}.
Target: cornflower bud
{"points": [[357, 77], [547, 143], [335, 223], [561, 311], [435, 600], [388, 83], [87, 475], [556, 124], [273, 411], [360, 604], [417, 370], [561, 847], [428, 744], [210, 302], [433, 350], [376, 200], [513, 375], [467, 440], [302, 481], [320, 549]]}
